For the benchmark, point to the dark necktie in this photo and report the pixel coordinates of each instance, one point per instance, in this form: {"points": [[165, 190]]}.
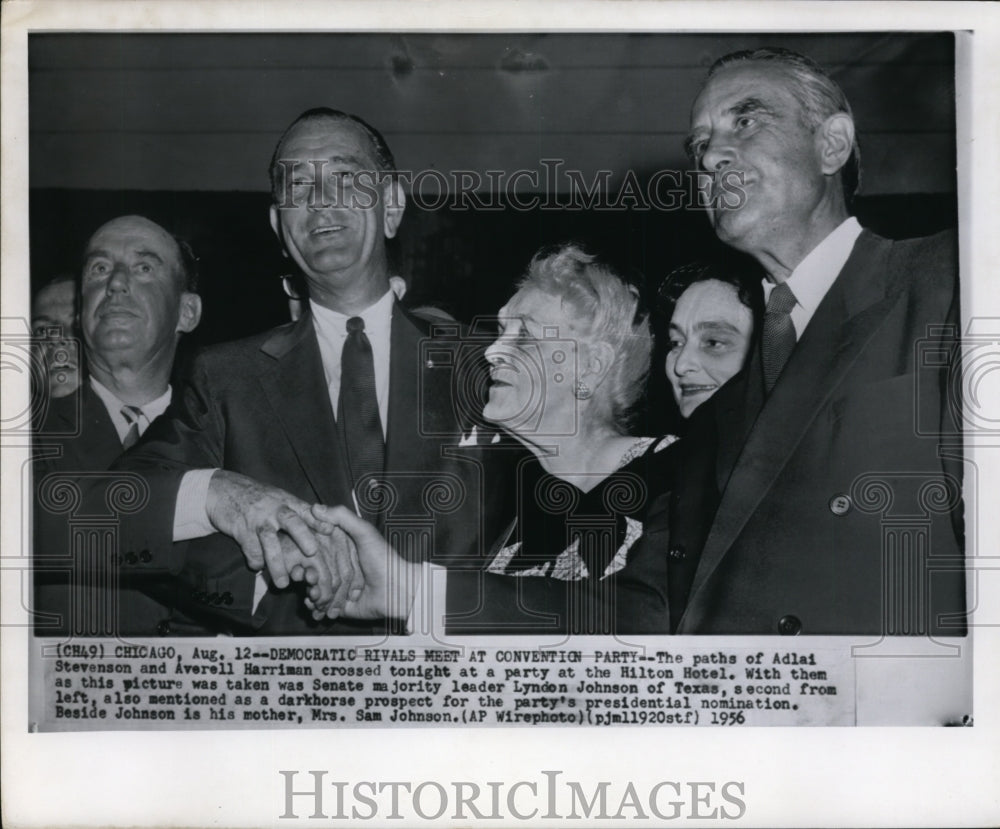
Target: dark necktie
{"points": [[779, 333], [132, 415], [357, 409]]}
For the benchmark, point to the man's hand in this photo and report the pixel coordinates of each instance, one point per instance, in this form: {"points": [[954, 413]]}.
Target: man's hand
{"points": [[253, 514], [329, 584], [389, 580], [334, 575]]}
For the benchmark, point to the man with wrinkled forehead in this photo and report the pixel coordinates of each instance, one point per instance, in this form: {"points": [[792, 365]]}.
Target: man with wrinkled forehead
{"points": [[836, 408]]}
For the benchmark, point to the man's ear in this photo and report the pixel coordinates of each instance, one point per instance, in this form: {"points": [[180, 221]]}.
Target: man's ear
{"points": [[596, 363], [276, 227], [835, 139], [190, 312], [393, 205]]}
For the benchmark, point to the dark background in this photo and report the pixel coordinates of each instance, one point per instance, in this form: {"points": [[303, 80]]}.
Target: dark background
{"points": [[180, 127]]}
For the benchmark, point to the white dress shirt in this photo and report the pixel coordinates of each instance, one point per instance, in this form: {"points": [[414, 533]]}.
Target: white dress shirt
{"points": [[331, 332], [815, 274], [150, 411], [190, 515]]}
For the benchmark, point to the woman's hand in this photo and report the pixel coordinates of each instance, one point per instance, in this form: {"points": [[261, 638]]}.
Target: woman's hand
{"points": [[389, 580]]}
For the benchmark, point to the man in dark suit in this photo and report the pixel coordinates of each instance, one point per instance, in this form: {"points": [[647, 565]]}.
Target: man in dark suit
{"points": [[137, 297], [836, 451], [354, 403]]}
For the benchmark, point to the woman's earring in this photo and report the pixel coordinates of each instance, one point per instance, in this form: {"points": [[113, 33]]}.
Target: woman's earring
{"points": [[582, 390]]}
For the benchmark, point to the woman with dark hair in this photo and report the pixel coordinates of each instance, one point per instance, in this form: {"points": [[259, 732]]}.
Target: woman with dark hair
{"points": [[711, 309]]}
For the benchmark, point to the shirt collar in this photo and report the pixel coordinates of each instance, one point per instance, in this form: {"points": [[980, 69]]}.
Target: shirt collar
{"points": [[377, 317], [814, 275], [152, 410]]}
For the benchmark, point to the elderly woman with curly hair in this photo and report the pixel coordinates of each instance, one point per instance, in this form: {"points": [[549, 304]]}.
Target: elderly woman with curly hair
{"points": [[587, 551]]}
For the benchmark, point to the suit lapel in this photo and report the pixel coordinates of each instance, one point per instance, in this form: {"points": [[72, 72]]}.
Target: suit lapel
{"points": [[102, 437], [736, 407], [844, 323], [295, 385], [411, 383]]}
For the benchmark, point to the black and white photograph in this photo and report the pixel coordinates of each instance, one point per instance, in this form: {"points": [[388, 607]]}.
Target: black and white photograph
{"points": [[396, 399]]}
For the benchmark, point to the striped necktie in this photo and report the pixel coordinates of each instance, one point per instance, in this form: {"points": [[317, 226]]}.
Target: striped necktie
{"points": [[779, 333], [133, 416]]}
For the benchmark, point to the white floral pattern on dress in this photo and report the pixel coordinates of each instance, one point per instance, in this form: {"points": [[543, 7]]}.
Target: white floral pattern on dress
{"points": [[569, 565], [503, 558], [665, 441], [633, 531]]}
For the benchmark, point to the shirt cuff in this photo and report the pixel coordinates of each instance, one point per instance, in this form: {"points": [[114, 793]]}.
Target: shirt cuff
{"points": [[260, 588], [428, 608], [190, 514]]}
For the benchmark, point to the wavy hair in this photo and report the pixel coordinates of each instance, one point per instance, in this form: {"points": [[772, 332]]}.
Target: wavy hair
{"points": [[604, 308]]}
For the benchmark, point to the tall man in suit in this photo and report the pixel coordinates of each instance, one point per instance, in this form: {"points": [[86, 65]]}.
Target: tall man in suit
{"points": [[840, 509], [340, 407], [137, 296]]}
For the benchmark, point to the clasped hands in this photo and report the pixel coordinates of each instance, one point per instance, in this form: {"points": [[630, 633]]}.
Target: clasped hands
{"points": [[350, 569]]}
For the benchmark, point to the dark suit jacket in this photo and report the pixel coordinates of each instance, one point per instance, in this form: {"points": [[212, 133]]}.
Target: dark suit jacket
{"points": [[261, 407], [840, 506], [71, 591]]}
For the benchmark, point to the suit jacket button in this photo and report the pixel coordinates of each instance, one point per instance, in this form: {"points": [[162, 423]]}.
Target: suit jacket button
{"points": [[131, 558], [840, 504], [215, 598], [227, 598], [677, 552], [163, 628], [145, 557], [789, 625]]}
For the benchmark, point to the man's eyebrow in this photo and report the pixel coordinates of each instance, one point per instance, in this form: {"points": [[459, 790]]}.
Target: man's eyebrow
{"points": [[149, 254], [145, 253], [749, 104], [741, 107], [354, 160]]}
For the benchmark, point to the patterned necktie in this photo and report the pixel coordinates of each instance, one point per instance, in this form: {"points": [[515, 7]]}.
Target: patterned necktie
{"points": [[779, 333], [133, 415], [357, 409]]}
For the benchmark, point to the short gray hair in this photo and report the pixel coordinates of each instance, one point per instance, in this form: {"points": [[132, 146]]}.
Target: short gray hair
{"points": [[607, 309], [817, 93]]}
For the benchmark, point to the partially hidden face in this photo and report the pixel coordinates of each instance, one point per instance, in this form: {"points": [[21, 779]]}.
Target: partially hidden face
{"points": [[748, 129], [52, 325], [533, 367], [710, 333], [334, 213], [132, 292]]}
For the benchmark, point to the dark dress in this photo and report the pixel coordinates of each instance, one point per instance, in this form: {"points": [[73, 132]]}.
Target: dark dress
{"points": [[593, 562]]}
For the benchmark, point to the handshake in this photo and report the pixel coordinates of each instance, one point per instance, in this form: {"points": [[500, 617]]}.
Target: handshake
{"points": [[349, 567]]}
